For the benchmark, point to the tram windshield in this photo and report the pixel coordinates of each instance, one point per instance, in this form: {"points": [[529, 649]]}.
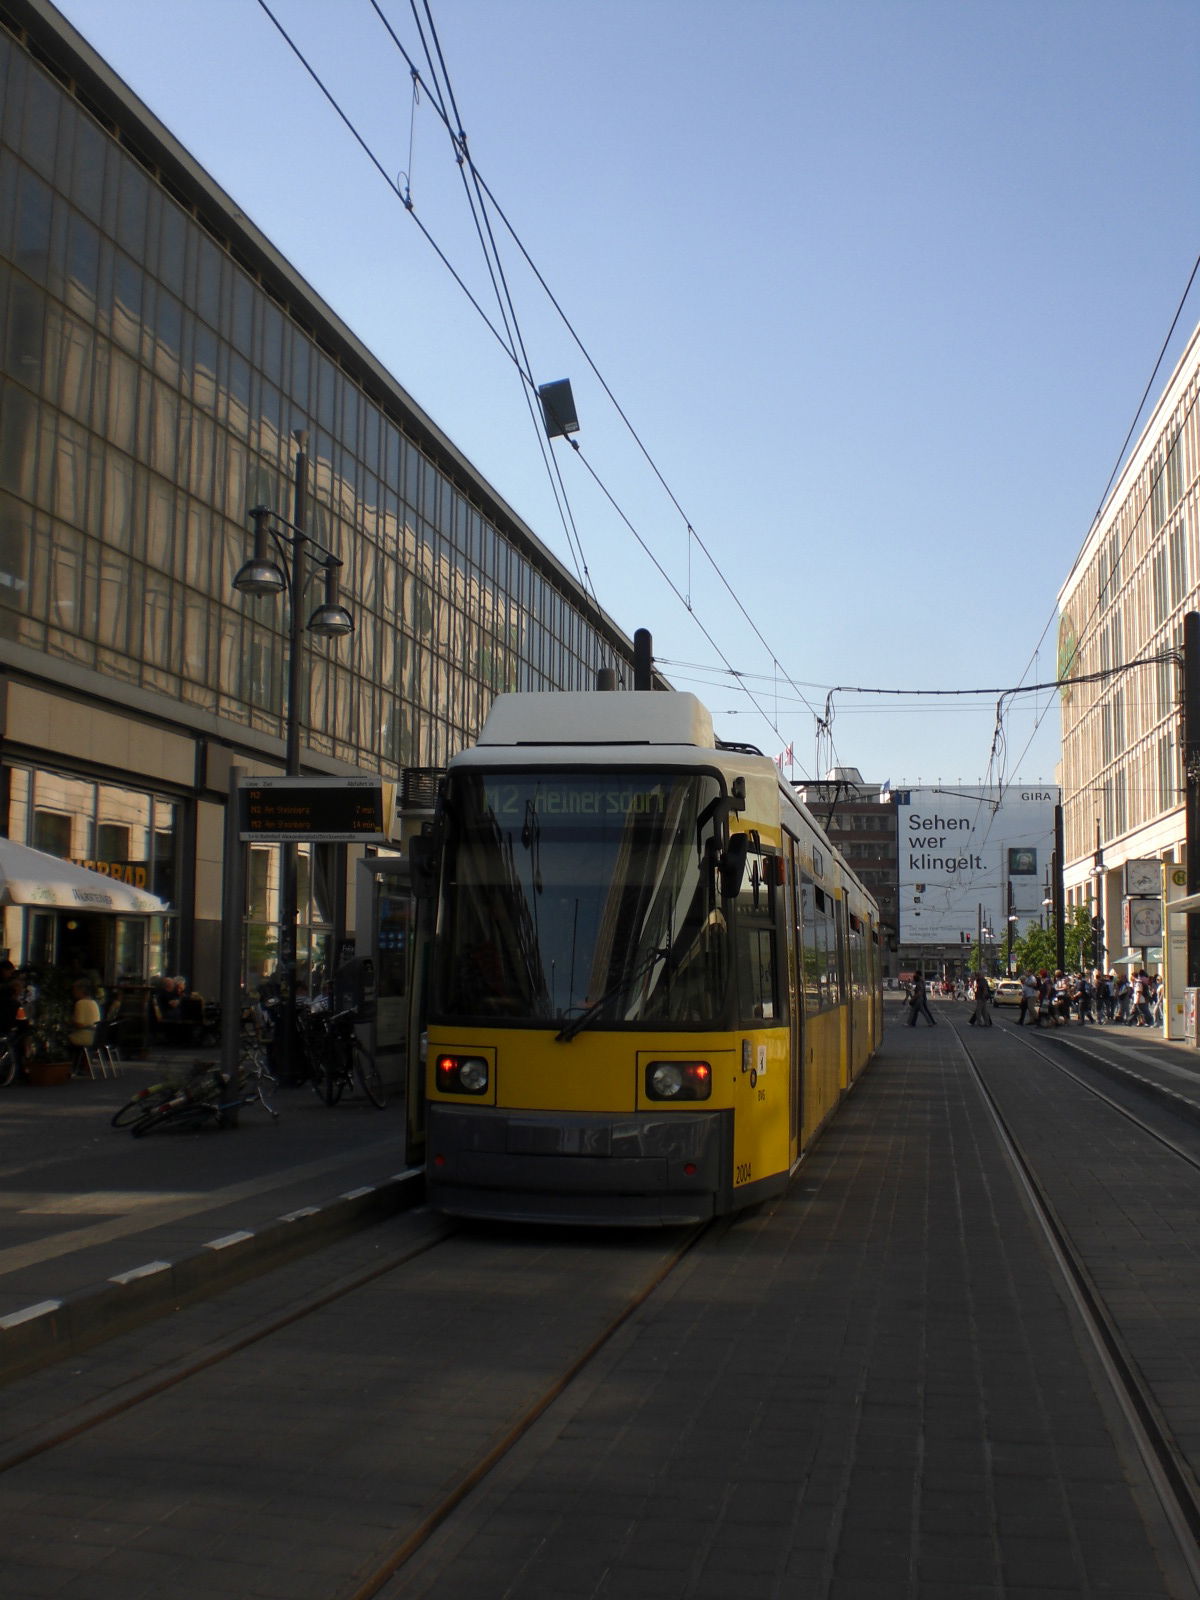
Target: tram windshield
{"points": [[582, 899]]}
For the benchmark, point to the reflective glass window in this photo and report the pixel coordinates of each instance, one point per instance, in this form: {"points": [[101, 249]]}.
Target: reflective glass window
{"points": [[115, 594], [31, 238], [168, 327], [24, 332], [132, 206], [158, 643], [209, 266], [242, 314], [127, 303], [172, 245], [88, 166], [40, 140], [83, 262]]}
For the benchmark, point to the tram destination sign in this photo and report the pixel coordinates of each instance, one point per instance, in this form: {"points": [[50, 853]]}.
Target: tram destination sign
{"points": [[315, 810]]}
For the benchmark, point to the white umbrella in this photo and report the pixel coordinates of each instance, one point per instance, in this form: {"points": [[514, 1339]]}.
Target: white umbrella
{"points": [[32, 878]]}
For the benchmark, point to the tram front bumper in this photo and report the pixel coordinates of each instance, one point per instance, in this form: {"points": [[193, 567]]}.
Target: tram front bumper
{"points": [[641, 1167]]}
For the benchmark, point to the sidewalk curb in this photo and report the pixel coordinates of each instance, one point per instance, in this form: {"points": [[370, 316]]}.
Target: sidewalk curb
{"points": [[43, 1333], [1116, 1072]]}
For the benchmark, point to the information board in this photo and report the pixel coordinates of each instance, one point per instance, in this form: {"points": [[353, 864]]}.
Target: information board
{"points": [[315, 810]]}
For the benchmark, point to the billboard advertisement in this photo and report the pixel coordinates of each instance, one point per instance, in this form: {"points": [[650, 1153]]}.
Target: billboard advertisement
{"points": [[966, 851]]}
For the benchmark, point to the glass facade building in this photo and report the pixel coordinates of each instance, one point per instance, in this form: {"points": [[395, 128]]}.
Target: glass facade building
{"points": [[156, 359]]}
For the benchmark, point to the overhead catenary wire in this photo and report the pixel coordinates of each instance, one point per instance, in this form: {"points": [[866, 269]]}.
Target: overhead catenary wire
{"points": [[515, 344], [463, 154], [505, 344]]}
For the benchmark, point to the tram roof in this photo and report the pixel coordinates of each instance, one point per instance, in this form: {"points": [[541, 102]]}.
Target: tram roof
{"points": [[599, 717]]}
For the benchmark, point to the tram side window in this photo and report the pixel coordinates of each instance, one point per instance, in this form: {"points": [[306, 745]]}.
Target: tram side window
{"points": [[822, 985], [758, 998]]}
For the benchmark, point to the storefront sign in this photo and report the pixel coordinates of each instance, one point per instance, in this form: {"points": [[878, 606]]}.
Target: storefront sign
{"points": [[135, 873]]}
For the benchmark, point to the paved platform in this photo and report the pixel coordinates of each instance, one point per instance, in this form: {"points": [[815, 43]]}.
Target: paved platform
{"points": [[99, 1231], [876, 1388], [872, 1389]]}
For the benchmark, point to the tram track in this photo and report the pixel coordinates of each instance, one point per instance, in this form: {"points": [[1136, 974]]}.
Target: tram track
{"points": [[330, 1336], [1169, 1471], [475, 1476], [139, 1391]]}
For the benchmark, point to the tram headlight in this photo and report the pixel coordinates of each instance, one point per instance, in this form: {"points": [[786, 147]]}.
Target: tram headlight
{"points": [[678, 1080], [462, 1075]]}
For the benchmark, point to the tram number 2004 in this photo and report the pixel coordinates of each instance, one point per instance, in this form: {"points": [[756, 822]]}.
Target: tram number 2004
{"points": [[741, 1173]]}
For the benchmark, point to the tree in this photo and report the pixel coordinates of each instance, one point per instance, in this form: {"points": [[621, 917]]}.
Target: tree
{"points": [[1038, 947]]}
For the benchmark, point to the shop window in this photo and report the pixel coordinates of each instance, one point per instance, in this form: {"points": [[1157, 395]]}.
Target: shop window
{"points": [[52, 833]]}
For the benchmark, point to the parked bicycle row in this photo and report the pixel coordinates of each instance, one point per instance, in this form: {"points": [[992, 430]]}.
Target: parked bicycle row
{"points": [[332, 1060]]}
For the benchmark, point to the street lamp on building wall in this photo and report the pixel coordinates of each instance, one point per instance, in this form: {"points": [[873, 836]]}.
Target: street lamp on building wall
{"points": [[281, 563]]}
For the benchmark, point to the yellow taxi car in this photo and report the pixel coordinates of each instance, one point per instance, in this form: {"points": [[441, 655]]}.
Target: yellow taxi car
{"points": [[1006, 992]]}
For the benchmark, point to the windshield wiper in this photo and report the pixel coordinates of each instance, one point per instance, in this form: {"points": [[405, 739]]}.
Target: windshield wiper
{"points": [[622, 985]]}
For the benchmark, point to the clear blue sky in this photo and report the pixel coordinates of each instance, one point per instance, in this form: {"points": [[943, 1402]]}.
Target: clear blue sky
{"points": [[879, 283]]}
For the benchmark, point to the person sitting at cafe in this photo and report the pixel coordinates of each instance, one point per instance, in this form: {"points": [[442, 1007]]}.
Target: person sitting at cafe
{"points": [[85, 1016]]}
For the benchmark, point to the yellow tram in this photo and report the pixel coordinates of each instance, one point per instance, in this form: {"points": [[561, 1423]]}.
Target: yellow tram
{"points": [[652, 978]]}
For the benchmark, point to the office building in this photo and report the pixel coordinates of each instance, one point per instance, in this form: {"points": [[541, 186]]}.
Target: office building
{"points": [[1120, 645]]}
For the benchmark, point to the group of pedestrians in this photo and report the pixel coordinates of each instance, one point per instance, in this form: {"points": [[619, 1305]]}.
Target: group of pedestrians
{"points": [[1050, 999], [1054, 998]]}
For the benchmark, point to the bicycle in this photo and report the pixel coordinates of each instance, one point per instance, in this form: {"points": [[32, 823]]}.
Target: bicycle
{"points": [[207, 1094], [149, 1100], [12, 1058], [344, 1062]]}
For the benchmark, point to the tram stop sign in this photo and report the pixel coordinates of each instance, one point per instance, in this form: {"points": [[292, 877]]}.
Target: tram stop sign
{"points": [[316, 810]]}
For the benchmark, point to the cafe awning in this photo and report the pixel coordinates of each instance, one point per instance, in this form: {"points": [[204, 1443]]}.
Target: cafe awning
{"points": [[33, 878]]}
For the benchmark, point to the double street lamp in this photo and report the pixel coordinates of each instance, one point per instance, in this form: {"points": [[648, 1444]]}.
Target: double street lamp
{"points": [[285, 560]]}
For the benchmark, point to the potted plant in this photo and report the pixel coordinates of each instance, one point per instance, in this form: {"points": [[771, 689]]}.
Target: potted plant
{"points": [[48, 1049]]}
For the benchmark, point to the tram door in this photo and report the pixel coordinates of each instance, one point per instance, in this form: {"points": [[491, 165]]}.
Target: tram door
{"points": [[392, 927]]}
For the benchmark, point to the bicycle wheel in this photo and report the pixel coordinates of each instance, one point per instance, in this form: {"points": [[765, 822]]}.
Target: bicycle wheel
{"points": [[143, 1104], [9, 1061], [178, 1118], [368, 1077]]}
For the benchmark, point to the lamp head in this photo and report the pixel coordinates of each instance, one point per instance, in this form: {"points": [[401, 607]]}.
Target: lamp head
{"points": [[258, 576], [331, 621]]}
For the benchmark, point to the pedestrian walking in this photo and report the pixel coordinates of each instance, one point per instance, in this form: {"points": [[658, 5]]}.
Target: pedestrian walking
{"points": [[981, 1017], [1031, 999], [918, 1003]]}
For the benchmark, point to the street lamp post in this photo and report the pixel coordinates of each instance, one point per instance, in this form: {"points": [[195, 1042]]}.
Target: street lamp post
{"points": [[263, 575], [1098, 918]]}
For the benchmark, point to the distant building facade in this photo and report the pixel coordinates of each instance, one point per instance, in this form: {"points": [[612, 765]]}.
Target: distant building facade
{"points": [[1134, 579], [156, 356]]}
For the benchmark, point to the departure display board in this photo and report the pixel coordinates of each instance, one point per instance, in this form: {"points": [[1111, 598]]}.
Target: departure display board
{"points": [[315, 810]]}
